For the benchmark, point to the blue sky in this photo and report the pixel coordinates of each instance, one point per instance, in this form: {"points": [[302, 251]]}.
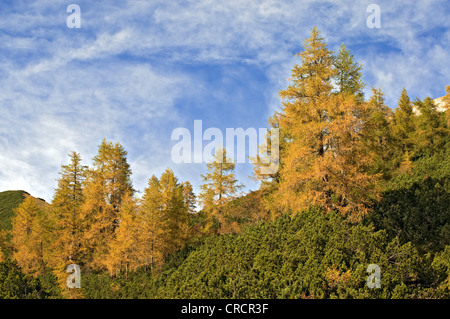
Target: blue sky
{"points": [[136, 70]]}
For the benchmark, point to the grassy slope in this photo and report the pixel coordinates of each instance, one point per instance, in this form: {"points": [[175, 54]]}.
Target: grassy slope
{"points": [[9, 200]]}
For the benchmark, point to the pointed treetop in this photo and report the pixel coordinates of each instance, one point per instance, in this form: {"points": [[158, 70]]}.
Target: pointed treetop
{"points": [[349, 75], [404, 103]]}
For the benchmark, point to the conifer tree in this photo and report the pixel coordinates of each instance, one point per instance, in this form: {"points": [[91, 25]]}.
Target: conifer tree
{"points": [[404, 124], [28, 227], [125, 250], [349, 75], [67, 203], [270, 181], [106, 186], [264, 157], [175, 212], [323, 161], [67, 238], [112, 168], [189, 197], [207, 198], [165, 216], [378, 138], [220, 186], [152, 222], [432, 131], [317, 70], [220, 178]]}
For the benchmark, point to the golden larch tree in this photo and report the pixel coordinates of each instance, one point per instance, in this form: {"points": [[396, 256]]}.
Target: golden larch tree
{"points": [[165, 219], [67, 203], [323, 160], [219, 187], [125, 250], [152, 222], [28, 240], [175, 212], [67, 244], [107, 184]]}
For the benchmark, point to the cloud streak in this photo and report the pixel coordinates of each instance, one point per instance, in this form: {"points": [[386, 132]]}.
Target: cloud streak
{"points": [[137, 69]]}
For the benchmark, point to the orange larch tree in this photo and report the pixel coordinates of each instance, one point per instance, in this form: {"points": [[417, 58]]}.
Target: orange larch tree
{"points": [[323, 161]]}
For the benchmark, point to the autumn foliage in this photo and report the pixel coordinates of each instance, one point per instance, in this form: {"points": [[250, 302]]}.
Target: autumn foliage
{"points": [[358, 182]]}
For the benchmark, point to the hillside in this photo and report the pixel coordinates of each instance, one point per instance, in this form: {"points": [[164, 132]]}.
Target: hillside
{"points": [[9, 200], [315, 255], [308, 255]]}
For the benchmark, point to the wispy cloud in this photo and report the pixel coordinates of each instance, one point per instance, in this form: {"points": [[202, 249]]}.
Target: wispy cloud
{"points": [[137, 69]]}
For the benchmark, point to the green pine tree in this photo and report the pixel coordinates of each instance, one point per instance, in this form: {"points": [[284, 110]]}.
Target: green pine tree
{"points": [[404, 124], [349, 74], [378, 137], [220, 186], [432, 131]]}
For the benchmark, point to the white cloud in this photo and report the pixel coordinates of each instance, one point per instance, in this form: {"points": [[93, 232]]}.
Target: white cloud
{"points": [[49, 114], [119, 76]]}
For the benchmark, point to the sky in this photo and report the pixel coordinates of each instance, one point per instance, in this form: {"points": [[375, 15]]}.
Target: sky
{"points": [[136, 70]]}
